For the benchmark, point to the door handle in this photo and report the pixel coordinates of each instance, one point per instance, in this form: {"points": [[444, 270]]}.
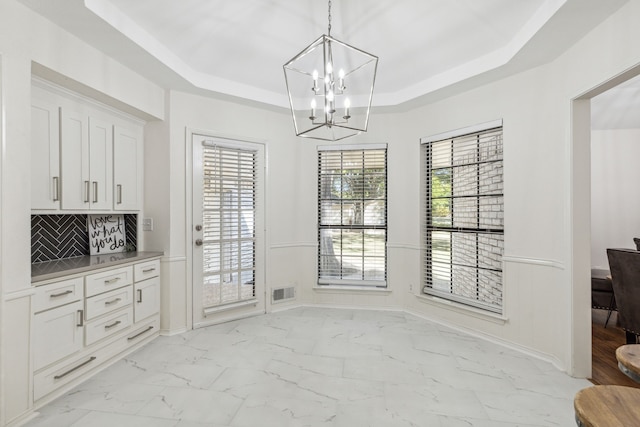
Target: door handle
{"points": [[198, 242], [86, 191], [56, 188]]}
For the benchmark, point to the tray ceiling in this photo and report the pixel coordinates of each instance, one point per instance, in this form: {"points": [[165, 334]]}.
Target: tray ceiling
{"points": [[237, 48]]}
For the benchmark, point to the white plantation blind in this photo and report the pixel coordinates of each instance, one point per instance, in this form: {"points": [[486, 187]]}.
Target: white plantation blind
{"points": [[464, 218], [352, 216], [229, 209]]}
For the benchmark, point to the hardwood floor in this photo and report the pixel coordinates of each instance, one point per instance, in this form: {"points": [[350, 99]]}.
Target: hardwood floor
{"points": [[605, 341]]}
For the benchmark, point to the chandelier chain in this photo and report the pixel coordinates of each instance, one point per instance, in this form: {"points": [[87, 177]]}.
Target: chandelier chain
{"points": [[329, 29]]}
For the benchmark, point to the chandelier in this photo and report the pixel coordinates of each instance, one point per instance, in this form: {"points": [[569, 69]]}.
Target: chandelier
{"points": [[330, 87]]}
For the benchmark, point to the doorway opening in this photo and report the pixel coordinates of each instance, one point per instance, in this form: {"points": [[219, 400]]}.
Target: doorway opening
{"points": [[587, 113]]}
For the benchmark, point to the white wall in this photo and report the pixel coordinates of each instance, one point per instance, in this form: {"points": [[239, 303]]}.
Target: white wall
{"points": [[615, 195], [171, 165]]}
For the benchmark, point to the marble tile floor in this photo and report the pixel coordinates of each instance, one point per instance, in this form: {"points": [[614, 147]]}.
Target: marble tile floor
{"points": [[321, 367]]}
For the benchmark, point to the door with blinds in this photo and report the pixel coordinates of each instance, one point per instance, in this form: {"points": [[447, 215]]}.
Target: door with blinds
{"points": [[228, 229]]}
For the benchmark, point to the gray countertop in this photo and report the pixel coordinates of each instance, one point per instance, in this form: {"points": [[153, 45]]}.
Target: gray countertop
{"points": [[48, 270]]}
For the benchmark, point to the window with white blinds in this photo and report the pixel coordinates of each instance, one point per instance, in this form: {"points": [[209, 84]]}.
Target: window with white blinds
{"points": [[352, 216], [464, 218], [229, 209]]}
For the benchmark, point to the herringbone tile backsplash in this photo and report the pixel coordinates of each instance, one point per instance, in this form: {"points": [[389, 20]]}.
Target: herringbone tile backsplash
{"points": [[66, 236]]}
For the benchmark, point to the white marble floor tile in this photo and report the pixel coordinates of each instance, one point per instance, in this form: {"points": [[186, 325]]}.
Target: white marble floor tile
{"points": [[341, 347], [205, 406], [96, 395], [55, 416], [245, 382], [313, 366], [383, 370], [291, 412], [364, 416], [417, 401], [107, 419], [344, 389], [527, 407], [187, 376], [306, 364]]}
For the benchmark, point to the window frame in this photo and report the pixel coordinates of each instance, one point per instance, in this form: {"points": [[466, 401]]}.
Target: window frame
{"points": [[323, 225], [488, 268]]}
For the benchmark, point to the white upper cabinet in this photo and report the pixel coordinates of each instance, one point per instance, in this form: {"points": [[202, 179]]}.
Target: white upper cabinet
{"points": [[85, 157], [127, 170], [86, 153], [45, 154], [74, 165], [100, 163]]}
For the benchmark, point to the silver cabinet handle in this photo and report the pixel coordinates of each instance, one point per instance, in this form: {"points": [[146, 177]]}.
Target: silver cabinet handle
{"points": [[119, 187], [113, 301], [95, 191], [81, 316], [86, 191], [91, 359], [61, 294], [110, 281], [113, 325], [149, 270], [56, 189], [140, 333], [139, 295]]}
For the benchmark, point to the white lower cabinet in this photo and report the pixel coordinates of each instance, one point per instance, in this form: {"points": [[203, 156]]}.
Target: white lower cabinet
{"points": [[58, 334], [147, 298], [78, 328]]}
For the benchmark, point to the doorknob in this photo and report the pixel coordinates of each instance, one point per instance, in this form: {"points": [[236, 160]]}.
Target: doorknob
{"points": [[198, 227], [198, 242]]}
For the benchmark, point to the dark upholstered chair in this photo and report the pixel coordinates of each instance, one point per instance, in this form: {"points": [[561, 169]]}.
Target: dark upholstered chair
{"points": [[602, 296], [625, 277]]}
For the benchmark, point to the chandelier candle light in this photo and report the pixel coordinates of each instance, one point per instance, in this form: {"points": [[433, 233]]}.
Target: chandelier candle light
{"points": [[326, 104]]}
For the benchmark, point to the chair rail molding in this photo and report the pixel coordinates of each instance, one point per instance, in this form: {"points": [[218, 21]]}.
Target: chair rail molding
{"points": [[534, 261]]}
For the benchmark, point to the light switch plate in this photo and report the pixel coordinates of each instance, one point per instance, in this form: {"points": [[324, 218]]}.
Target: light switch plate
{"points": [[147, 224]]}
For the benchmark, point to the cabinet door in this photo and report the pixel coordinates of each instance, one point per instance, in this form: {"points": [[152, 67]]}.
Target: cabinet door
{"points": [[147, 299], [127, 170], [74, 160], [45, 155], [57, 334], [100, 163]]}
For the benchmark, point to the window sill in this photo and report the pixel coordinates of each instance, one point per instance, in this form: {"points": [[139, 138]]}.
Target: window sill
{"points": [[463, 309], [349, 289]]}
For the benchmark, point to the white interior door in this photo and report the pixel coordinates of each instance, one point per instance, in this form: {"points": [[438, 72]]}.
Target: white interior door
{"points": [[228, 229]]}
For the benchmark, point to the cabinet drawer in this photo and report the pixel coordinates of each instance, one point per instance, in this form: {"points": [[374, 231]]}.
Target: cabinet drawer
{"points": [[107, 302], [143, 330], [57, 294], [146, 270], [57, 334], [50, 379], [108, 280], [106, 326]]}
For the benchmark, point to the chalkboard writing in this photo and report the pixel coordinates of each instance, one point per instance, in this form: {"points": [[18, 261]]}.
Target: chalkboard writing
{"points": [[106, 234]]}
